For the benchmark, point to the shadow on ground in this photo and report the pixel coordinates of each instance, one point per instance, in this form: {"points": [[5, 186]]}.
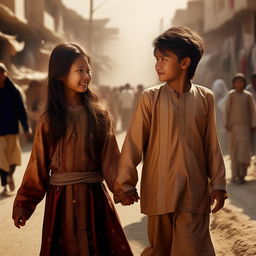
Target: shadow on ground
{"points": [[138, 232], [243, 196]]}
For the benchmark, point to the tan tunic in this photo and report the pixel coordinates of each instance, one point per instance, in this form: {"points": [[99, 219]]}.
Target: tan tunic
{"points": [[240, 119], [178, 140]]}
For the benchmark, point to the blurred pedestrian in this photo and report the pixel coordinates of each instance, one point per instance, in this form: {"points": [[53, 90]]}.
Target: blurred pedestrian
{"points": [[126, 101], [74, 150], [137, 94], [220, 92], [12, 111], [174, 129], [240, 122], [252, 89], [252, 86]]}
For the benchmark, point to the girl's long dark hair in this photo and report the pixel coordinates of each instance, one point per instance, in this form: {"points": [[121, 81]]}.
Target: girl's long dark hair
{"points": [[61, 59]]}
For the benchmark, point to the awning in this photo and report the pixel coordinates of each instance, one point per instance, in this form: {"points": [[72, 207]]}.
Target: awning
{"points": [[12, 44], [11, 25]]}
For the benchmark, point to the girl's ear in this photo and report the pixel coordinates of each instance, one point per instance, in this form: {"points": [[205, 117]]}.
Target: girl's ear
{"points": [[61, 78], [185, 63]]}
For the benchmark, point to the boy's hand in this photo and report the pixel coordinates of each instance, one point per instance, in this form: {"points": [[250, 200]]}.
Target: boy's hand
{"points": [[19, 221], [130, 200], [220, 197]]}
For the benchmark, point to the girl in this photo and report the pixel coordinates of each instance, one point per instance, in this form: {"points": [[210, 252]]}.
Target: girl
{"points": [[74, 150], [240, 122]]}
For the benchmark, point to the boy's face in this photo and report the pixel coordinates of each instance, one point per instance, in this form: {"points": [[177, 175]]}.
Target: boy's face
{"points": [[239, 84], [168, 66]]}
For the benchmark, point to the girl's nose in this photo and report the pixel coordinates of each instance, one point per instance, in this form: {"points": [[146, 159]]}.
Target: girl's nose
{"points": [[87, 76]]}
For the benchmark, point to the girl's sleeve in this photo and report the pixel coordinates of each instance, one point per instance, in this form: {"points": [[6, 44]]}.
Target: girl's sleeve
{"points": [[110, 157], [36, 176]]}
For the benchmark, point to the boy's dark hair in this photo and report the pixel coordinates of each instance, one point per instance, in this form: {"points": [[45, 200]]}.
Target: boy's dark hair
{"points": [[183, 42], [239, 76]]}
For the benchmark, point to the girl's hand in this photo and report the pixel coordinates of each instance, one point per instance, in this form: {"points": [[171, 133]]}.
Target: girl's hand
{"points": [[19, 221], [130, 200]]}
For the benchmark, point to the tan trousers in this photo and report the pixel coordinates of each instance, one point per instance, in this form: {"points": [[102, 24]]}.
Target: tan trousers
{"points": [[179, 234], [239, 170], [10, 152]]}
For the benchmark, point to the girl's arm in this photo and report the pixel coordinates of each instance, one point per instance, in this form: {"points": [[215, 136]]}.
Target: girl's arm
{"points": [[110, 157], [36, 177]]}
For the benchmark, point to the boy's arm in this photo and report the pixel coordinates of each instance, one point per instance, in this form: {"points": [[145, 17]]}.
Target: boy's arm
{"points": [[214, 159], [133, 147]]}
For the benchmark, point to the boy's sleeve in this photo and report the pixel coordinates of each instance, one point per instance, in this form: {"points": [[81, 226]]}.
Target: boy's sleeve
{"points": [[36, 178], [135, 142], [214, 159]]}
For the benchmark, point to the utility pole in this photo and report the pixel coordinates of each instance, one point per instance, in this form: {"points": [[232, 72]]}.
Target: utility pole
{"points": [[90, 29]]}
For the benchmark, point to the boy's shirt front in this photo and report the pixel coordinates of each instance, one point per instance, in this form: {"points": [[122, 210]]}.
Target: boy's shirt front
{"points": [[178, 139]]}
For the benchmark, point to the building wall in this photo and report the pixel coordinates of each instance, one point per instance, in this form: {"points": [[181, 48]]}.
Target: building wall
{"points": [[34, 11], [217, 12], [192, 16], [9, 3]]}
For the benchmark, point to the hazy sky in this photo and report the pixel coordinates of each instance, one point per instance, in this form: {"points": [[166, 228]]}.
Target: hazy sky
{"points": [[138, 22]]}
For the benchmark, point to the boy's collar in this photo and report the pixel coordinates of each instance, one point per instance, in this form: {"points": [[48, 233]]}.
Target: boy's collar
{"points": [[174, 92]]}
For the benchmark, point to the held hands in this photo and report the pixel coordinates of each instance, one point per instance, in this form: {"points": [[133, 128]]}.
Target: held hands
{"points": [[130, 200], [19, 221], [219, 196]]}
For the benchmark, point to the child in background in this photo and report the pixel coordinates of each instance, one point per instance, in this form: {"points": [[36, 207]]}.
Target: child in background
{"points": [[74, 150], [240, 122]]}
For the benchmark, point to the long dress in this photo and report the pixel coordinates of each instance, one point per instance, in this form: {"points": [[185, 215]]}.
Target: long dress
{"points": [[79, 218]]}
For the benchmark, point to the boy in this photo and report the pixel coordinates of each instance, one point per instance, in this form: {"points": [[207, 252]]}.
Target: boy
{"points": [[183, 171], [240, 122]]}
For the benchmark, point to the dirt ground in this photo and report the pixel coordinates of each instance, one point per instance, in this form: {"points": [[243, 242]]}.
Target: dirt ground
{"points": [[233, 229]]}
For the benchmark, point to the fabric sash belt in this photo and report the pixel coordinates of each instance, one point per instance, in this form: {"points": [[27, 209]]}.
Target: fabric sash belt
{"points": [[67, 178]]}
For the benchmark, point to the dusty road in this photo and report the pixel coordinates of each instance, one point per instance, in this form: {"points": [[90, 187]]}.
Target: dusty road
{"points": [[233, 229]]}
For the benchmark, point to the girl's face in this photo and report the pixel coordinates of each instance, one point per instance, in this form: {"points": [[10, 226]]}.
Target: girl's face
{"points": [[167, 66], [78, 77], [239, 84]]}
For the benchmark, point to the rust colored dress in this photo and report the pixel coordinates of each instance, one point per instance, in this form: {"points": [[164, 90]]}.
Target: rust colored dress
{"points": [[79, 218]]}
